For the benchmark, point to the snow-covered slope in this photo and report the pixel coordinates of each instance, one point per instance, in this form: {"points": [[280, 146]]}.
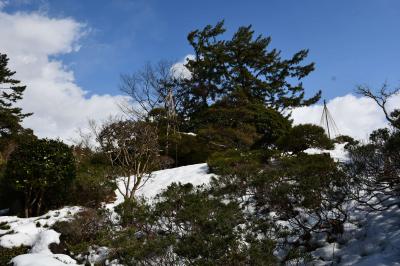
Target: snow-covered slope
{"points": [[373, 238], [35, 232], [370, 238], [196, 174]]}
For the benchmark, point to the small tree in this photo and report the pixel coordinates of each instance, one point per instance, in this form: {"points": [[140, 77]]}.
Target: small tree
{"points": [[374, 167], [38, 168], [133, 152]]}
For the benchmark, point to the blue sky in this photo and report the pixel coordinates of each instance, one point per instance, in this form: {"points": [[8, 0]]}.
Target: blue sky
{"points": [[351, 42]]}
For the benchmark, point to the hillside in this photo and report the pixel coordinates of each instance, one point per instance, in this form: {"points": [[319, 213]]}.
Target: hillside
{"points": [[370, 238]]}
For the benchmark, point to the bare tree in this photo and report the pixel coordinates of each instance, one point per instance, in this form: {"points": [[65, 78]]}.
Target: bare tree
{"points": [[132, 150], [381, 98], [150, 88], [153, 88]]}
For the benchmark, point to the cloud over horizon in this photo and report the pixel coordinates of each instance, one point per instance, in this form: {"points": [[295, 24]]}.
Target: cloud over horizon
{"points": [[354, 116], [32, 41]]}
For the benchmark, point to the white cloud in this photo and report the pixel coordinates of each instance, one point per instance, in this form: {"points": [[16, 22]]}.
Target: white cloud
{"points": [[58, 103], [179, 69], [354, 116]]}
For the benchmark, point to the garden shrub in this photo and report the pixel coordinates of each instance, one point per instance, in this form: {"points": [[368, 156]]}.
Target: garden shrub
{"points": [[43, 171]]}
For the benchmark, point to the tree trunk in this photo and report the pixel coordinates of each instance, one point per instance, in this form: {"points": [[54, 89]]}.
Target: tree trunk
{"points": [[39, 203], [26, 203]]}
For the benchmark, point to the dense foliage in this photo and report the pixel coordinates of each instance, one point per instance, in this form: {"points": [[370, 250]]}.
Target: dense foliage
{"points": [[10, 92], [375, 168], [42, 170], [302, 137], [242, 66], [236, 104], [93, 184], [187, 226]]}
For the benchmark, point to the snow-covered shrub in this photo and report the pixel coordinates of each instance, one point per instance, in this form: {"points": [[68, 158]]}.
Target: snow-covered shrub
{"points": [[304, 192]]}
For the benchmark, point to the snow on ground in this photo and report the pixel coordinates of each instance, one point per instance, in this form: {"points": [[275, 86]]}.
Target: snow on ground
{"points": [[27, 231], [373, 240], [369, 239], [35, 232], [197, 174], [40, 254]]}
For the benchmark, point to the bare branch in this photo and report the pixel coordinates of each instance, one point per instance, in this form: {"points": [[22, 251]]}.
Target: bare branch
{"points": [[381, 98]]}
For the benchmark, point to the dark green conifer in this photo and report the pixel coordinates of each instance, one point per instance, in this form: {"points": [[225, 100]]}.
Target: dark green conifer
{"points": [[10, 93]]}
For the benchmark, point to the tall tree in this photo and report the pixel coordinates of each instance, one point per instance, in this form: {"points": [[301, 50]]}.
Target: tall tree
{"points": [[10, 92], [244, 66]]}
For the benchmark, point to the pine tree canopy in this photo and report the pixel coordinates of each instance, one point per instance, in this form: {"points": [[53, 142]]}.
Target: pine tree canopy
{"points": [[241, 66], [10, 92]]}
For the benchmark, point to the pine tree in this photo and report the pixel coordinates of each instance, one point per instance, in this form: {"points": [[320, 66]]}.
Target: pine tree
{"points": [[240, 92], [10, 92], [243, 65]]}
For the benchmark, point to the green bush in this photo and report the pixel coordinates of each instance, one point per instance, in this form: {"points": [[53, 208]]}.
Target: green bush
{"points": [[92, 185], [313, 184], [240, 125], [4, 226], [232, 161], [43, 171], [376, 166], [281, 185], [188, 149], [184, 226]]}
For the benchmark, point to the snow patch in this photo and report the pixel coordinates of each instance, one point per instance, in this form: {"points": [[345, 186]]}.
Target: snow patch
{"points": [[197, 174], [35, 232]]}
